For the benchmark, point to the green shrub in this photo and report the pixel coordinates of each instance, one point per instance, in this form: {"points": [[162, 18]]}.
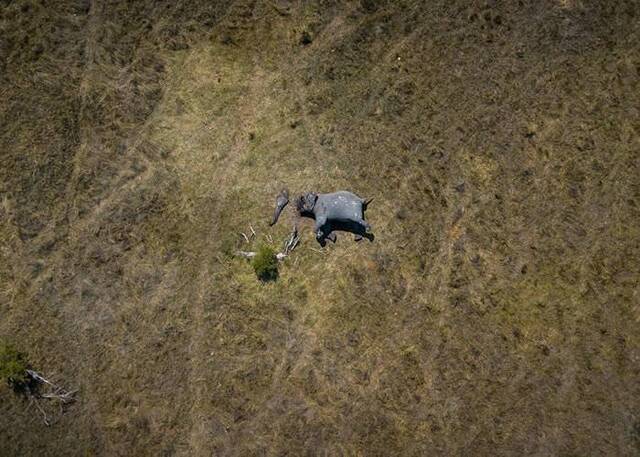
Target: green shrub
{"points": [[13, 366], [265, 263]]}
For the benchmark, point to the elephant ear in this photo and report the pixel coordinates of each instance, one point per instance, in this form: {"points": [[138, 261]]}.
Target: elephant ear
{"points": [[312, 198]]}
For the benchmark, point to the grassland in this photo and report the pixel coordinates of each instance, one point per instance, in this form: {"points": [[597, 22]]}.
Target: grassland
{"points": [[497, 311]]}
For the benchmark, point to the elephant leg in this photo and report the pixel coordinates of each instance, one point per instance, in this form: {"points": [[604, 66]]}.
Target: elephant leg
{"points": [[366, 225], [321, 230], [321, 222]]}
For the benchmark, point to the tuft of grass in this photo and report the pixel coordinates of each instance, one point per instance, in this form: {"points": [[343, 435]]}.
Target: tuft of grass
{"points": [[265, 263], [13, 366]]}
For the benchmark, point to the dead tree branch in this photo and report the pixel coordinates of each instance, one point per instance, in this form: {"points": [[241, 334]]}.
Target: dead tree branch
{"points": [[290, 243], [54, 393]]}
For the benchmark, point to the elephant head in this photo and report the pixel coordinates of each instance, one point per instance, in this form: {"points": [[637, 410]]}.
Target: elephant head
{"points": [[305, 204]]}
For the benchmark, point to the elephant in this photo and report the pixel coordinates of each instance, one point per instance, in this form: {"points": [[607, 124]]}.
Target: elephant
{"points": [[336, 211]]}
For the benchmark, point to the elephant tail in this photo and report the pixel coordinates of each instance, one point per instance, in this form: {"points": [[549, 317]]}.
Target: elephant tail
{"points": [[366, 203]]}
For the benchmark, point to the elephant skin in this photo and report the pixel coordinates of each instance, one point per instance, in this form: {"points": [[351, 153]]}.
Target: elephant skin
{"points": [[340, 210]]}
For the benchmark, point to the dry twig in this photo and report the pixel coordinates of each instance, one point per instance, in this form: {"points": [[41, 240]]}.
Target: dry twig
{"points": [[55, 393], [290, 243]]}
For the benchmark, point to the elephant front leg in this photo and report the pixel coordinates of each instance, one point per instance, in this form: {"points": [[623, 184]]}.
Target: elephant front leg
{"points": [[322, 230], [328, 234]]}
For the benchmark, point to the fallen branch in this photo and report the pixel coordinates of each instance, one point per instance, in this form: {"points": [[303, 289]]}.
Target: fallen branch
{"points": [[251, 254], [290, 243], [56, 394], [45, 418]]}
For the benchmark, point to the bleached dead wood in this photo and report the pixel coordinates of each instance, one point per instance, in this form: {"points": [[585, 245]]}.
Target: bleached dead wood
{"points": [[290, 243], [53, 393]]}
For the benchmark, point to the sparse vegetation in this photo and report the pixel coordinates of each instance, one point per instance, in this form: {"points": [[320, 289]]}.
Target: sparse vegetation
{"points": [[496, 311], [265, 263], [15, 370], [13, 367]]}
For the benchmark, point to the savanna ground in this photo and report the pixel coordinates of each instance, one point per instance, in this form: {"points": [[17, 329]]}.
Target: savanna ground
{"points": [[496, 313]]}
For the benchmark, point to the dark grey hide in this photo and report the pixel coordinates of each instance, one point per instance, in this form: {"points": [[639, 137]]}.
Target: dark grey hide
{"points": [[340, 210]]}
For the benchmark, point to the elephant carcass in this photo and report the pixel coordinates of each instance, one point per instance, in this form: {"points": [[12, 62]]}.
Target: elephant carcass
{"points": [[340, 210]]}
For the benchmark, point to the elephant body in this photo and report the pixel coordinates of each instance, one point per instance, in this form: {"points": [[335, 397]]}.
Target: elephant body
{"points": [[340, 210], [334, 211]]}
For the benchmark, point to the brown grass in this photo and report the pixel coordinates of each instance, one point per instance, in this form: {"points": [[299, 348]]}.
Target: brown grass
{"points": [[496, 313]]}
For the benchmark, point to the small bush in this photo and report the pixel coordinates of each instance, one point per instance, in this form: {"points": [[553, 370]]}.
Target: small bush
{"points": [[13, 367], [265, 263]]}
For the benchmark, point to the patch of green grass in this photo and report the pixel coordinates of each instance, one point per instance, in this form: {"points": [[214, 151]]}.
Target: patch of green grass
{"points": [[13, 366], [265, 263]]}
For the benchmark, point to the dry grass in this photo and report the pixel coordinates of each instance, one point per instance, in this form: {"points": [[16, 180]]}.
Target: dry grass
{"points": [[496, 313]]}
